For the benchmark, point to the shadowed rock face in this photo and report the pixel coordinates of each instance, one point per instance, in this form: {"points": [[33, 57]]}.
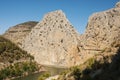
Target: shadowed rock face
{"points": [[17, 33], [53, 41]]}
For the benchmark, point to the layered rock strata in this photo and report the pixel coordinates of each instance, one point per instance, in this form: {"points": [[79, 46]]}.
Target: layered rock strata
{"points": [[17, 33]]}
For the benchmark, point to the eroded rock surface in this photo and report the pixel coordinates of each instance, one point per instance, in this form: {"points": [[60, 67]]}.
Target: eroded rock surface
{"points": [[53, 41], [102, 34], [103, 31], [17, 33]]}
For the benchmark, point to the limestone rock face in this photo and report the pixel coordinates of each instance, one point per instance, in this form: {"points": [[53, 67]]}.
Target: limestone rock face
{"points": [[53, 41], [102, 33], [118, 4], [17, 33]]}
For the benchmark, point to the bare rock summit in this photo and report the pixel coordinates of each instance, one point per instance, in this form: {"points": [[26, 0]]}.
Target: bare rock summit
{"points": [[118, 4], [53, 41]]}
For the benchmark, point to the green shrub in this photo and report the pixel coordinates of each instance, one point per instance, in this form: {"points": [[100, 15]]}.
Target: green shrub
{"points": [[44, 76], [76, 72], [2, 47], [90, 62]]}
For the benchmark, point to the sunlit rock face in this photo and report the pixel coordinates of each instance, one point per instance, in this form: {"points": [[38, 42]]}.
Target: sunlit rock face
{"points": [[102, 33], [53, 41], [117, 5], [103, 30]]}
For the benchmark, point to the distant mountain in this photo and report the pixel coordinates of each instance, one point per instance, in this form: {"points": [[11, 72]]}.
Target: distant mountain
{"points": [[17, 33]]}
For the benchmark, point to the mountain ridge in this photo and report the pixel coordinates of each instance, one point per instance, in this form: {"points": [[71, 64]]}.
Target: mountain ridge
{"points": [[19, 31]]}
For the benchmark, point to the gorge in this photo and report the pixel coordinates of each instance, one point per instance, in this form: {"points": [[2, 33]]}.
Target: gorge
{"points": [[54, 41]]}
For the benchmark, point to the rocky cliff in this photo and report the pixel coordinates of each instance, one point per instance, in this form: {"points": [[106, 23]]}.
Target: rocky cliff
{"points": [[102, 35], [18, 32], [53, 41]]}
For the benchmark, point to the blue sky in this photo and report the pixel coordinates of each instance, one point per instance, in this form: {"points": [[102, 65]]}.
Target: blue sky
{"points": [[13, 12]]}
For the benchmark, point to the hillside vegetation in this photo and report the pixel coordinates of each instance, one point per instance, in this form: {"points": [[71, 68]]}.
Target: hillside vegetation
{"points": [[14, 61], [9, 52]]}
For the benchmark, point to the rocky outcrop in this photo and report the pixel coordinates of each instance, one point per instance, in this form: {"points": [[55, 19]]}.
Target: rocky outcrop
{"points": [[17, 33], [117, 5], [102, 34], [53, 41]]}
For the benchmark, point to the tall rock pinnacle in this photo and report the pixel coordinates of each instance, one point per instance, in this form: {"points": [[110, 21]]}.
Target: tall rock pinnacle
{"points": [[53, 41]]}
